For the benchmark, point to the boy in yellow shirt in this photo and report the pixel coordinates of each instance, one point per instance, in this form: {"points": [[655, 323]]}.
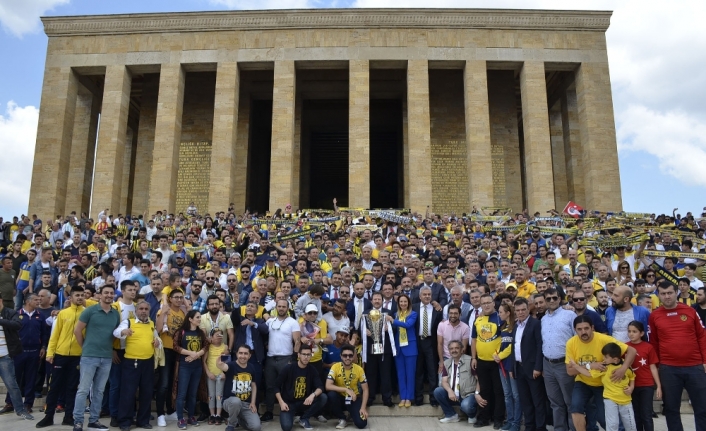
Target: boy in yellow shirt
{"points": [[616, 396]]}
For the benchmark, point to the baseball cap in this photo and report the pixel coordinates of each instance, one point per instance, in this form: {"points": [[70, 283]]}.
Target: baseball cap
{"points": [[311, 307], [344, 330]]}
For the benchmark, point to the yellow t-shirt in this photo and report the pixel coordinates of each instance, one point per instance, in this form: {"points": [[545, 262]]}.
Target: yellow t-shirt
{"points": [[655, 301], [614, 391], [174, 322], [486, 331], [347, 379], [584, 353], [317, 353], [213, 353]]}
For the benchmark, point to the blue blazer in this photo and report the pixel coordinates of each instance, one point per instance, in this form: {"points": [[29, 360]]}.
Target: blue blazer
{"points": [[409, 324], [641, 314]]}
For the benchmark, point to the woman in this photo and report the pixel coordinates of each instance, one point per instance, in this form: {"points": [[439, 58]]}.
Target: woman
{"points": [[512, 397], [624, 276], [406, 345], [191, 345]]}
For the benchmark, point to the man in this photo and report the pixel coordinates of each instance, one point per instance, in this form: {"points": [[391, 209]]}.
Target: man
{"points": [[358, 305], [137, 364], [622, 312], [527, 360], [284, 331], [525, 288], [428, 319], [64, 354], [332, 354], [33, 336], [485, 342], [557, 329], [252, 332], [347, 389], [214, 319], [578, 299], [449, 330], [584, 349], [128, 271], [439, 296], [299, 390], [700, 305], [680, 341], [457, 300], [458, 386], [7, 283], [602, 299], [240, 391], [99, 321], [11, 347], [337, 319], [379, 365], [154, 297], [388, 297], [588, 289]]}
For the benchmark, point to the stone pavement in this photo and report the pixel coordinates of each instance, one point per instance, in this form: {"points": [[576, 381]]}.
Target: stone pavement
{"points": [[12, 423]]}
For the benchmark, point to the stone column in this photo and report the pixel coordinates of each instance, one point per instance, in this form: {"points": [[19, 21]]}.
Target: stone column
{"points": [[167, 136], [225, 133], [110, 152], [241, 154], [561, 193], [480, 175], [572, 146], [83, 150], [539, 186], [419, 135], [53, 146], [145, 144], [281, 171], [359, 134], [598, 142], [127, 170]]}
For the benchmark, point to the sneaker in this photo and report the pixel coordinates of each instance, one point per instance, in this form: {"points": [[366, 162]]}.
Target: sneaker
{"points": [[472, 420], [78, 426], [219, 420], [47, 421], [266, 417], [59, 409], [212, 420], [193, 421], [497, 425], [449, 420], [97, 426], [7, 409], [296, 419], [322, 419], [28, 408], [181, 424], [87, 409], [481, 424], [172, 417], [304, 423], [161, 421], [341, 424], [506, 426], [26, 416], [113, 422], [203, 417]]}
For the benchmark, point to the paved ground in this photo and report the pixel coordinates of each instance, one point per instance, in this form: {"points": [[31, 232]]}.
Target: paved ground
{"points": [[12, 423]]}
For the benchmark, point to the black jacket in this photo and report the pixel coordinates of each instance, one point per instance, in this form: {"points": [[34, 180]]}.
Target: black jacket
{"points": [[259, 336], [10, 322]]}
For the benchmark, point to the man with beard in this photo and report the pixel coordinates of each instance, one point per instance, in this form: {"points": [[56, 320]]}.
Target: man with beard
{"points": [[622, 312], [578, 299], [379, 365], [700, 305], [603, 303], [252, 332], [198, 302], [336, 318], [210, 287], [214, 319], [585, 349]]}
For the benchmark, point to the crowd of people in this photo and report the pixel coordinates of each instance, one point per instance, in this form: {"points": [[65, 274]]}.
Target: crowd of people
{"points": [[571, 321]]}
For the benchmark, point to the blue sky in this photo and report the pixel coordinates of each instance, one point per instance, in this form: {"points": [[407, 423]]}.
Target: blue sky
{"points": [[658, 74]]}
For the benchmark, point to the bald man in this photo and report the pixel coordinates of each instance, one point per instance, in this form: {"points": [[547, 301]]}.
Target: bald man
{"points": [[622, 312]]}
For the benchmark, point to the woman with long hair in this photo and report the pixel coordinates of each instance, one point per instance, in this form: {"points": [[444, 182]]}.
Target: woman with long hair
{"points": [[406, 345], [191, 344], [506, 312]]}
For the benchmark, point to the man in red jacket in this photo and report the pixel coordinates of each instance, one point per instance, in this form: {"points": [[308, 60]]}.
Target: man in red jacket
{"points": [[680, 341]]}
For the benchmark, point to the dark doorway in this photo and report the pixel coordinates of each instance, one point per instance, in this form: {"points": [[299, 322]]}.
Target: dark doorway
{"points": [[257, 196], [386, 156], [324, 157]]}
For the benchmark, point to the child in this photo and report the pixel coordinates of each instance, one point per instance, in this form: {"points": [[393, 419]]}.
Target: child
{"points": [[616, 396], [215, 376], [646, 376]]}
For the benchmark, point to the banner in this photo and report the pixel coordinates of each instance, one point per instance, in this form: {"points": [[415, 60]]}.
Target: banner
{"points": [[554, 219], [510, 228], [573, 209], [303, 233], [320, 211], [635, 215], [493, 209], [677, 254], [498, 219], [562, 230], [362, 227], [390, 216], [616, 241], [670, 277]]}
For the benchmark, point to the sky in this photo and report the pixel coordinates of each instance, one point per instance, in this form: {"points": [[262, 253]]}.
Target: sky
{"points": [[657, 67]]}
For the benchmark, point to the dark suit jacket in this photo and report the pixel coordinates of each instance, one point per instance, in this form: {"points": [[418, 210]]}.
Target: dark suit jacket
{"points": [[350, 309], [436, 318], [392, 306], [438, 293], [258, 338], [414, 295], [531, 348]]}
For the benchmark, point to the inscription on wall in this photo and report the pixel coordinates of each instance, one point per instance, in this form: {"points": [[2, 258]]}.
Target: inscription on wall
{"points": [[449, 170], [193, 175]]}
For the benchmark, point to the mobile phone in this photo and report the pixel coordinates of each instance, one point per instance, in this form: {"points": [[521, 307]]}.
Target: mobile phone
{"points": [[225, 358]]}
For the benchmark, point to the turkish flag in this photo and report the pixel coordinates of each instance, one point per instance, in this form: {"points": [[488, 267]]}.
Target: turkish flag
{"points": [[573, 210]]}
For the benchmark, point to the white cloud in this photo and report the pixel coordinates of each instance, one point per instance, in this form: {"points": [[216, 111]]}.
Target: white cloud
{"points": [[265, 4], [22, 16], [18, 132]]}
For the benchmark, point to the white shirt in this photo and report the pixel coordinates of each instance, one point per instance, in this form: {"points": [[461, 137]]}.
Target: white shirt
{"points": [[420, 318], [334, 324], [518, 339], [281, 332]]}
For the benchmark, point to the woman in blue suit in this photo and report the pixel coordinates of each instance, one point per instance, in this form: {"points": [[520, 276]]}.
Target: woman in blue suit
{"points": [[406, 345]]}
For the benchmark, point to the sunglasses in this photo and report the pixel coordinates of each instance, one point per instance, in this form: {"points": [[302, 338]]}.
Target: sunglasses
{"points": [[347, 355], [210, 278], [552, 298], [579, 299]]}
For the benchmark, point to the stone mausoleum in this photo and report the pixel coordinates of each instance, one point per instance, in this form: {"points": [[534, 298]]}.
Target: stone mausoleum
{"points": [[377, 107]]}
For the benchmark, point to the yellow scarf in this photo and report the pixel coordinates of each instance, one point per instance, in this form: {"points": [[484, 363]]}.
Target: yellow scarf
{"points": [[401, 316]]}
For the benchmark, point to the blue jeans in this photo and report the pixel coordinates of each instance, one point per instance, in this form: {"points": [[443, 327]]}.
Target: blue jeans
{"points": [[94, 375], [7, 374], [512, 399], [468, 404], [589, 400], [286, 419], [114, 379], [187, 386], [674, 381]]}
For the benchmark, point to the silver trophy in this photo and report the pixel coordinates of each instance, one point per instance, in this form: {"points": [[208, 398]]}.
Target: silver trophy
{"points": [[374, 321]]}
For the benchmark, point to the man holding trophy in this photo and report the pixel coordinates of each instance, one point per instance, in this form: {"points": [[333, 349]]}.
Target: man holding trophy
{"points": [[378, 350]]}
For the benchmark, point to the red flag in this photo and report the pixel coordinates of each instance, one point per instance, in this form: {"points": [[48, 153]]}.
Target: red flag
{"points": [[573, 209]]}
